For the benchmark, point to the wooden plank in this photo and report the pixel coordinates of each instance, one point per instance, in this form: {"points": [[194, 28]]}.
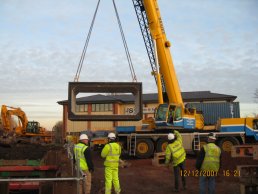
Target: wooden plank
{"points": [[248, 174], [248, 189], [159, 159], [247, 151]]}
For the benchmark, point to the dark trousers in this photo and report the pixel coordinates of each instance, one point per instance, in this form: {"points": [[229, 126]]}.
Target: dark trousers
{"points": [[203, 181], [177, 173]]}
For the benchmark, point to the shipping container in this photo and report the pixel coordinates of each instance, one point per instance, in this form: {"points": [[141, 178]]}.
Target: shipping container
{"points": [[213, 111]]}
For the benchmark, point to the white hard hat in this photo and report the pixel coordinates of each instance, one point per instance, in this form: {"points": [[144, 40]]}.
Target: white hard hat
{"points": [[212, 136], [171, 136], [111, 136], [83, 136]]}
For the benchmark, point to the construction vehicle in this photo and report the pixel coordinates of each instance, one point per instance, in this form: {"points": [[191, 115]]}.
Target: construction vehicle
{"points": [[171, 113], [24, 130], [29, 168]]}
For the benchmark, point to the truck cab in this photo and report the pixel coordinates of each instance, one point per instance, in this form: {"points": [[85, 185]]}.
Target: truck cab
{"points": [[247, 125]]}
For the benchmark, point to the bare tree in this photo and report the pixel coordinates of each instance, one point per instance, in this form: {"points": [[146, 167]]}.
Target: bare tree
{"points": [[256, 100], [57, 131], [256, 95]]}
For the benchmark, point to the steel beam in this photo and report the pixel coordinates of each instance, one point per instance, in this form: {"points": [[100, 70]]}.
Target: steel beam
{"points": [[76, 88]]}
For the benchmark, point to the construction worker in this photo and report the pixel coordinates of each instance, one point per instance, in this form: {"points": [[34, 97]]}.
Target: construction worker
{"points": [[82, 155], [111, 152], [175, 152], [208, 163], [171, 114]]}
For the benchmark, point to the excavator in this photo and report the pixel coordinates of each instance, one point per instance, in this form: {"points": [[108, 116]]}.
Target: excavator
{"points": [[23, 131]]}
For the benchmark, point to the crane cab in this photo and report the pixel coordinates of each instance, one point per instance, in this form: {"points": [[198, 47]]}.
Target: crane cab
{"points": [[174, 115]]}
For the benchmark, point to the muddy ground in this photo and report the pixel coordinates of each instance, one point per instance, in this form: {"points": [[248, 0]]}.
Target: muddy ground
{"points": [[144, 178]]}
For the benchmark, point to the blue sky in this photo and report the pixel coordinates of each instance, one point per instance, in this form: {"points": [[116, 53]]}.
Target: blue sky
{"points": [[214, 47]]}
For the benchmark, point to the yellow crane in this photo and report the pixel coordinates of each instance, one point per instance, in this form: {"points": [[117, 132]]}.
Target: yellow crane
{"points": [[172, 113]]}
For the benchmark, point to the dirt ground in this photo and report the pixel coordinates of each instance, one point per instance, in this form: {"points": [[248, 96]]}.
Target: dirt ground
{"points": [[143, 178]]}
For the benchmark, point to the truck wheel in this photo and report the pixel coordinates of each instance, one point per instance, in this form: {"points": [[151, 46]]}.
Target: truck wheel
{"points": [[161, 145], [144, 148], [225, 144]]}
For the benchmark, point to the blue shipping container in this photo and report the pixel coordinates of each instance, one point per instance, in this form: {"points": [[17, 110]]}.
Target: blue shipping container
{"points": [[214, 111]]}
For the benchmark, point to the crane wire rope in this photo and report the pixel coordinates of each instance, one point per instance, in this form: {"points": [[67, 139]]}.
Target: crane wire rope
{"points": [[134, 78], [79, 68], [77, 76]]}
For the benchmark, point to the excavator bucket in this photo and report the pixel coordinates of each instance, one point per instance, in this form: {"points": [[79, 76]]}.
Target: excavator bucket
{"points": [[97, 90]]}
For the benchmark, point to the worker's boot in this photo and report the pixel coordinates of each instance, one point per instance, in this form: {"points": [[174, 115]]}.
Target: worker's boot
{"points": [[184, 187]]}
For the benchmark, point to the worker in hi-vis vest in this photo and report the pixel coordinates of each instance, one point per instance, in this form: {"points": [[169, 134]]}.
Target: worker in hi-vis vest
{"points": [[208, 163], [175, 152], [111, 152], [82, 155]]}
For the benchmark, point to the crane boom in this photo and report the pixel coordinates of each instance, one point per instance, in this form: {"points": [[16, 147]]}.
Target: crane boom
{"points": [[166, 65], [174, 113]]}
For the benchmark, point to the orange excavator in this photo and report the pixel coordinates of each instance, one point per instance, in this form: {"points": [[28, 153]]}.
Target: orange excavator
{"points": [[23, 131]]}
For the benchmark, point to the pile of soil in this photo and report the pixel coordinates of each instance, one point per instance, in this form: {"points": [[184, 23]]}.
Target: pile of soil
{"points": [[25, 151]]}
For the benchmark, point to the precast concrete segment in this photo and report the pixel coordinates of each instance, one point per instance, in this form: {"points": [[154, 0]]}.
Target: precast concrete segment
{"points": [[75, 88]]}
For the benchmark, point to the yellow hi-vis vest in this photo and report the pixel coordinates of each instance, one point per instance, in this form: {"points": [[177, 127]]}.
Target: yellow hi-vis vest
{"points": [[211, 160], [113, 155], [178, 152], [79, 155]]}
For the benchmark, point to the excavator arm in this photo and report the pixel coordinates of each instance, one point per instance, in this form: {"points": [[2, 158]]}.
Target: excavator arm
{"points": [[7, 112]]}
